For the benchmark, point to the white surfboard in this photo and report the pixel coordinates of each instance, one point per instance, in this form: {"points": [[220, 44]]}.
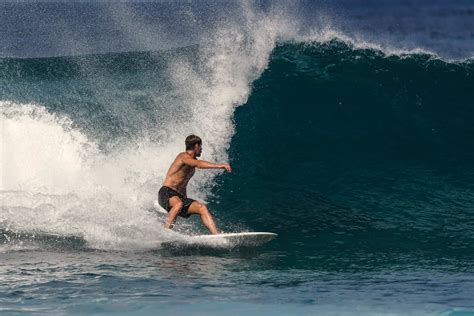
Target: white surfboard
{"points": [[229, 240], [157, 207]]}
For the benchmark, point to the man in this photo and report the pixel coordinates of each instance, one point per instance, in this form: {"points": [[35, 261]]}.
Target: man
{"points": [[172, 195]]}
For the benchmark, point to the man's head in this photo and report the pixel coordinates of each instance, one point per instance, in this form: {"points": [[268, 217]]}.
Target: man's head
{"points": [[194, 142]]}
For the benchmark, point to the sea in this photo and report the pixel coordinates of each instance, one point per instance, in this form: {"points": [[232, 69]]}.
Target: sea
{"points": [[349, 126]]}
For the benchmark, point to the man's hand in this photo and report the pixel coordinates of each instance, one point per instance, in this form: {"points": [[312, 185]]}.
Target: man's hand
{"points": [[227, 167]]}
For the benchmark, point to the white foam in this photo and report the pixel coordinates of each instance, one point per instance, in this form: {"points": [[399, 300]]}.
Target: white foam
{"points": [[55, 180], [40, 151], [329, 33]]}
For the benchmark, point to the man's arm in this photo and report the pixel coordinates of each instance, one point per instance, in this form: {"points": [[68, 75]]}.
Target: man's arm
{"points": [[202, 164]]}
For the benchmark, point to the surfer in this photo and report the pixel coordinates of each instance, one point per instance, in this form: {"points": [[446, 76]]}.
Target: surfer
{"points": [[172, 195]]}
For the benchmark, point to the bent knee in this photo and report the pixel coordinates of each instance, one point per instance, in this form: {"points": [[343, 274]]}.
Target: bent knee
{"points": [[202, 208], [177, 204]]}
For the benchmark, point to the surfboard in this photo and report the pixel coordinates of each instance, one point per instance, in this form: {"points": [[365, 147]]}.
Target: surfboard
{"points": [[228, 240], [157, 207]]}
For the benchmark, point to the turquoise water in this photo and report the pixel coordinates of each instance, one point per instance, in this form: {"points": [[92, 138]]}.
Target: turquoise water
{"points": [[350, 136], [82, 282]]}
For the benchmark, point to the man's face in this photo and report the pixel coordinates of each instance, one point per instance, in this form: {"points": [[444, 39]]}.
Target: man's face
{"points": [[198, 150]]}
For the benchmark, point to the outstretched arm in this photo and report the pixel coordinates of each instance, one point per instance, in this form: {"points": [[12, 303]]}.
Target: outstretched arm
{"points": [[202, 164]]}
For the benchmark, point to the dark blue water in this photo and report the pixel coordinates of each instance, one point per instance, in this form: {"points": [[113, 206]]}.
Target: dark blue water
{"points": [[349, 127]]}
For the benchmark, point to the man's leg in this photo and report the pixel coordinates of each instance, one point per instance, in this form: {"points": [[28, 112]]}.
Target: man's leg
{"points": [[206, 217], [176, 206]]}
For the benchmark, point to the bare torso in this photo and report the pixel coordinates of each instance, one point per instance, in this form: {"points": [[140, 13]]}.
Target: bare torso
{"points": [[179, 174]]}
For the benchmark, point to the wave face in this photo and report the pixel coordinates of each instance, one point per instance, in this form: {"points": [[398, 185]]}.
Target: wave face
{"points": [[350, 151]]}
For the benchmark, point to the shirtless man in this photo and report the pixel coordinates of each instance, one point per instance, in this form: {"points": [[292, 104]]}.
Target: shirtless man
{"points": [[172, 195]]}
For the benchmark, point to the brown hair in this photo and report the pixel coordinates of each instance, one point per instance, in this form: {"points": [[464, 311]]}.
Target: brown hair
{"points": [[191, 141]]}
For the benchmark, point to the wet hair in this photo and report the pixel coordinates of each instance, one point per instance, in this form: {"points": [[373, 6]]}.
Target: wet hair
{"points": [[191, 141]]}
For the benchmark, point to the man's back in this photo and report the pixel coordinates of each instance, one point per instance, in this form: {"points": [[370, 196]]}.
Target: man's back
{"points": [[179, 173]]}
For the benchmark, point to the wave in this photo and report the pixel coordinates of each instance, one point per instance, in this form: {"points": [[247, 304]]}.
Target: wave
{"points": [[337, 145], [87, 139]]}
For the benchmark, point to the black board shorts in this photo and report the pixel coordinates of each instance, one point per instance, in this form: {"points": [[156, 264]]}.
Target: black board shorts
{"points": [[164, 196]]}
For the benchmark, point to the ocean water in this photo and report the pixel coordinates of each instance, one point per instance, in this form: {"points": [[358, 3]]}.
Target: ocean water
{"points": [[349, 126]]}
